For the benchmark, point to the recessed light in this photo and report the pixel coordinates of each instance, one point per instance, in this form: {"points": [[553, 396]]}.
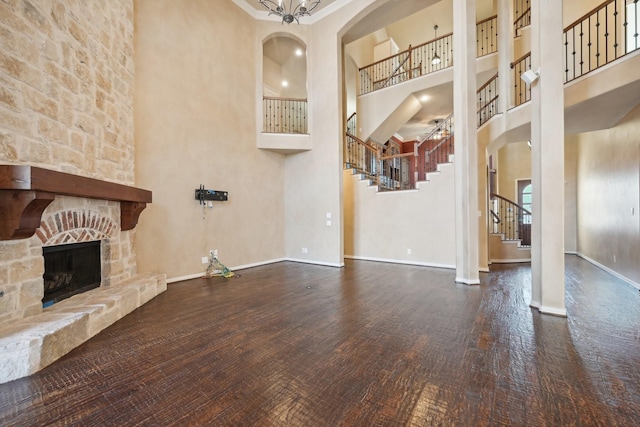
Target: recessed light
{"points": [[424, 98], [285, 83], [299, 52]]}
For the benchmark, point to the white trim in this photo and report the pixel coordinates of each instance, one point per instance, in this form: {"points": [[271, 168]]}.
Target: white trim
{"points": [[534, 304], [570, 253], [308, 261], [239, 267], [263, 15], [398, 261], [467, 281], [484, 270], [257, 264], [561, 312], [610, 271], [183, 278], [510, 261]]}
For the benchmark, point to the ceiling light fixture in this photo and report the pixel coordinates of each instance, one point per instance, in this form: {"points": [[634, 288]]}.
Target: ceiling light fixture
{"points": [[290, 10], [436, 59]]}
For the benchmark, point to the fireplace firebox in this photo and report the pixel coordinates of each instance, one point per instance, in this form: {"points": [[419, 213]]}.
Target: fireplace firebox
{"points": [[70, 269]]}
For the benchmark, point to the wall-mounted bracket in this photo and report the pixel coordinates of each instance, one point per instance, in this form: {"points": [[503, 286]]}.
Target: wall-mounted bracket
{"points": [[203, 195]]}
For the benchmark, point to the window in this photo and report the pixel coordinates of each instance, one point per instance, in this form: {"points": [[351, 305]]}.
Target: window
{"points": [[633, 27], [525, 200]]}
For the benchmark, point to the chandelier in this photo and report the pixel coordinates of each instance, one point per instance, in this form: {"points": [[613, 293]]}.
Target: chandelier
{"points": [[290, 10]]}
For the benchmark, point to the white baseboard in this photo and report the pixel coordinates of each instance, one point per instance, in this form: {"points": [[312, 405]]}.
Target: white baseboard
{"points": [[610, 271], [510, 261], [561, 312], [238, 267], [467, 281], [310, 261], [397, 261]]}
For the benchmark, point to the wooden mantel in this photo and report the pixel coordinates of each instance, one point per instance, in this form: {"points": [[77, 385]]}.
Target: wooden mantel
{"points": [[26, 191]]}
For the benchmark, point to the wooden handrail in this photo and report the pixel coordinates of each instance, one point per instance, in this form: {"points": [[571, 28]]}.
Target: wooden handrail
{"points": [[361, 142], [522, 15], [486, 20], [495, 76], [405, 51], [510, 202], [398, 156], [351, 116], [586, 15], [522, 58], [272, 98]]}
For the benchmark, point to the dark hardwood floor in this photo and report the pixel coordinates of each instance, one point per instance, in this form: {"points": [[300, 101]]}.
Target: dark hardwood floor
{"points": [[371, 344]]}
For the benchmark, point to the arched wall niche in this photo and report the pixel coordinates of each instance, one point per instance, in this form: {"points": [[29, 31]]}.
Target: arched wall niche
{"points": [[284, 69]]}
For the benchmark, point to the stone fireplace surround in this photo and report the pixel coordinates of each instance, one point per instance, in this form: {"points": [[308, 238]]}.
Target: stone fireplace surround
{"points": [[31, 338]]}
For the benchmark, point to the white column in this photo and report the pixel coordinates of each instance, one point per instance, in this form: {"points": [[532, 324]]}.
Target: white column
{"points": [[506, 34], [466, 141], [547, 159]]}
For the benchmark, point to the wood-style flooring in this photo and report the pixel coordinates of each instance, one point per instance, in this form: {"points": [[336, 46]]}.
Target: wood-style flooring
{"points": [[370, 344]]}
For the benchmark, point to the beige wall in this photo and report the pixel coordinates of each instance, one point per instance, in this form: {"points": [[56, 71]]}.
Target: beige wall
{"points": [[514, 162], [196, 124], [66, 103], [421, 221], [608, 173]]}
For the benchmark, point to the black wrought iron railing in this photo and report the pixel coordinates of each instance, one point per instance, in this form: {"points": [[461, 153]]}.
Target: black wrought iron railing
{"points": [[487, 99], [510, 219], [522, 15], [284, 115], [426, 58], [522, 90], [487, 36], [601, 36]]}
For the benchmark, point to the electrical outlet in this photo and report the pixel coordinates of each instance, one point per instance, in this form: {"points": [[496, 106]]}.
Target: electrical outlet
{"points": [[614, 258], [214, 252], [205, 260], [408, 251], [305, 250]]}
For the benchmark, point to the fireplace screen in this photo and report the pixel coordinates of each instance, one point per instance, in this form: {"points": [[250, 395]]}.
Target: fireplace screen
{"points": [[70, 270]]}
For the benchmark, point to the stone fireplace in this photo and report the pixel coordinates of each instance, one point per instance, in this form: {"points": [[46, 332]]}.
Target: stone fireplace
{"points": [[66, 99], [32, 337]]}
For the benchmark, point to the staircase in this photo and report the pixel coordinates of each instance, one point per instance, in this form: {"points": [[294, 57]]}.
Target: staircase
{"points": [[591, 78]]}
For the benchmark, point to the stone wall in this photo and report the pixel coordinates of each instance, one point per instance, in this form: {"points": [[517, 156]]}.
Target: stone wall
{"points": [[66, 103]]}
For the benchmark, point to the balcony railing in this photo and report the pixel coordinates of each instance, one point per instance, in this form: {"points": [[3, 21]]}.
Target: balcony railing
{"points": [[421, 60], [522, 15], [522, 90], [487, 99], [601, 36], [284, 115]]}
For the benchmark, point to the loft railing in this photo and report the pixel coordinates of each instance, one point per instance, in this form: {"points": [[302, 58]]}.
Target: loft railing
{"points": [[510, 219], [284, 115], [522, 15], [487, 36], [601, 36], [487, 98], [419, 60], [361, 156], [406, 65], [522, 90]]}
